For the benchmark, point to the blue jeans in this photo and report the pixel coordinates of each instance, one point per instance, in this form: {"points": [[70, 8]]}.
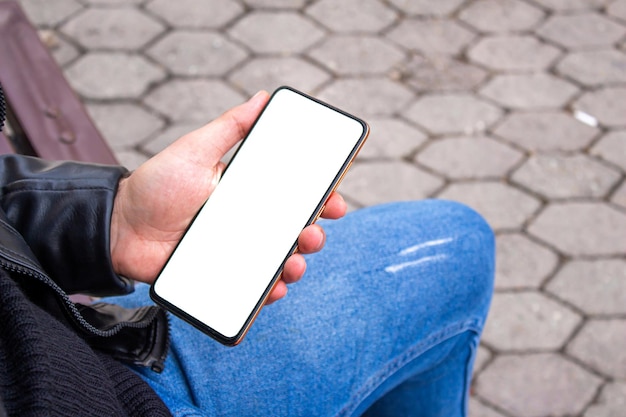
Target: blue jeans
{"points": [[386, 321]]}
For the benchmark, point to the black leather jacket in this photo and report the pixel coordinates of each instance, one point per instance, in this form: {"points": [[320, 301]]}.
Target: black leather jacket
{"points": [[54, 240]]}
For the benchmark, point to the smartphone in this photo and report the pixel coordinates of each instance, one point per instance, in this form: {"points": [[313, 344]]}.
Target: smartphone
{"points": [[232, 254]]}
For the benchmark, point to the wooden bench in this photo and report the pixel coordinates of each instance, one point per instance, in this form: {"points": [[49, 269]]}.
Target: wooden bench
{"points": [[46, 117]]}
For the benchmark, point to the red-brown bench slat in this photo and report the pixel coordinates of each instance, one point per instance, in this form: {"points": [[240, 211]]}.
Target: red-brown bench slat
{"points": [[50, 114]]}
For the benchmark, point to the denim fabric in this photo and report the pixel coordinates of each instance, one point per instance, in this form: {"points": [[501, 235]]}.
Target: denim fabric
{"points": [[385, 322]]}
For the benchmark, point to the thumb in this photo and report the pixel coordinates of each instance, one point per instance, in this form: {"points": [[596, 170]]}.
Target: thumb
{"points": [[211, 142]]}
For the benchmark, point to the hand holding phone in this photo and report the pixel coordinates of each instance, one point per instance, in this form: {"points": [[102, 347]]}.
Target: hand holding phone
{"points": [[232, 254]]}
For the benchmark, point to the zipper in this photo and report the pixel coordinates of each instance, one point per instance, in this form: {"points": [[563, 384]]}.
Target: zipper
{"points": [[73, 313], [3, 108]]}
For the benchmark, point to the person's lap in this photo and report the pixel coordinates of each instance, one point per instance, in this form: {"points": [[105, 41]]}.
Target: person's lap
{"points": [[390, 310]]}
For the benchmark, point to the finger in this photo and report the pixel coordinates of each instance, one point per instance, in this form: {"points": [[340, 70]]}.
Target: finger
{"points": [[294, 269], [235, 124], [210, 143], [279, 291], [335, 207], [311, 239]]}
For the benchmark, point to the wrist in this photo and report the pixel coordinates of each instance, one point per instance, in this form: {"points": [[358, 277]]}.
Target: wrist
{"points": [[117, 227]]}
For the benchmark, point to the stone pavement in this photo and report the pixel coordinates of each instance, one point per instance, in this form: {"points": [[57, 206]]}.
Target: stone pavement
{"points": [[515, 107]]}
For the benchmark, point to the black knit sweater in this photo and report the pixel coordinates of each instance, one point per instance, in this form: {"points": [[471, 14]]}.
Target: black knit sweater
{"points": [[48, 370]]}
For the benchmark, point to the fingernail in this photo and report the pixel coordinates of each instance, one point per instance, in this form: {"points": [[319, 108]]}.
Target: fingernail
{"points": [[322, 240]]}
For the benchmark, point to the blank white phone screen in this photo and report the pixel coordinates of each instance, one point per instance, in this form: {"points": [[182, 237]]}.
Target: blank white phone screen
{"points": [[240, 238]]}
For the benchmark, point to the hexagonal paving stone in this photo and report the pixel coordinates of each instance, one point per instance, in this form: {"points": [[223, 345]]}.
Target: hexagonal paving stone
{"points": [[368, 183], [569, 5], [528, 321], [356, 55], [581, 30], [61, 49], [596, 287], [503, 206], [600, 344], [529, 91], [453, 113], [439, 73], [130, 159], [522, 263], [545, 131], [271, 73], [264, 32], [612, 147], [462, 158], [125, 29], [483, 355], [565, 176], [501, 15], [617, 9], [513, 53], [281, 4], [196, 13], [607, 105], [138, 123], [478, 409], [108, 3], [431, 37], [193, 100], [611, 403], [582, 228], [391, 138], [537, 385], [427, 7], [355, 96], [352, 15], [48, 14], [619, 196], [197, 53], [104, 75], [168, 136], [594, 68]]}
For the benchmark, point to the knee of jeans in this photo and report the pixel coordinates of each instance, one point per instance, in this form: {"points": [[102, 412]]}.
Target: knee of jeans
{"points": [[448, 245], [476, 250], [469, 280], [465, 221]]}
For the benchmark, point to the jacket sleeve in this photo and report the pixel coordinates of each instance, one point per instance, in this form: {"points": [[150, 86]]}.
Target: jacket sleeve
{"points": [[63, 211]]}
